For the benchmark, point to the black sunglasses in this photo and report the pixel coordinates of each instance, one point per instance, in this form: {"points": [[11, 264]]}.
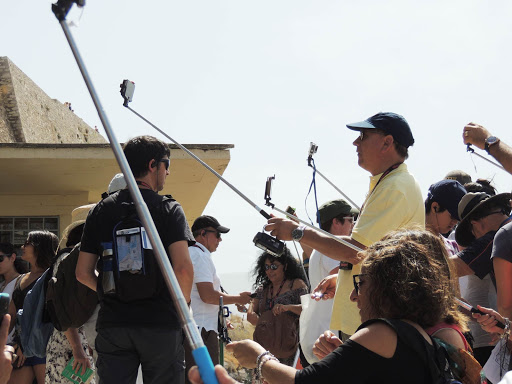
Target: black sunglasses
{"points": [[3, 256], [167, 163], [271, 266], [217, 233], [357, 282]]}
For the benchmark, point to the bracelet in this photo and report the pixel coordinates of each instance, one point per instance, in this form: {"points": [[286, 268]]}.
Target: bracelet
{"points": [[258, 359], [264, 360]]}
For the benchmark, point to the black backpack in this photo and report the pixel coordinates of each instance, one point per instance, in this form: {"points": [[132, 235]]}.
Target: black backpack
{"points": [[132, 264], [438, 361], [69, 303]]}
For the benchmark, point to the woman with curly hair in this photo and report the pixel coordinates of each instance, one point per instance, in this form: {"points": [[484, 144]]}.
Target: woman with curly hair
{"points": [[275, 311], [400, 291], [39, 251]]}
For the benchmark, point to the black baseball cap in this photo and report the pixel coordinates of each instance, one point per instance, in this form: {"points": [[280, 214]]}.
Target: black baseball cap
{"points": [[206, 221], [391, 123], [448, 194]]}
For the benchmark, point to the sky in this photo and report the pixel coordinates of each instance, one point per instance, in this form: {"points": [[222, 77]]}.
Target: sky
{"points": [[272, 76]]}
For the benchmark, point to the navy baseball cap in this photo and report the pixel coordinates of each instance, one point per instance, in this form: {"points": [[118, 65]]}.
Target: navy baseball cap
{"points": [[448, 194], [391, 123]]}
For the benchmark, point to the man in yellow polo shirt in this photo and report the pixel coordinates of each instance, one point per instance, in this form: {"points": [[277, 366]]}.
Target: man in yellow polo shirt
{"points": [[394, 201]]}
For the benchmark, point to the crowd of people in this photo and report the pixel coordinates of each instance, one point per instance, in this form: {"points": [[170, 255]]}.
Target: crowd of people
{"points": [[384, 309]]}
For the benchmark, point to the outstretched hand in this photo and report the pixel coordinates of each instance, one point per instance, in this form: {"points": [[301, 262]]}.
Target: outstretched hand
{"points": [[220, 372], [281, 228], [326, 288], [489, 320], [475, 134]]}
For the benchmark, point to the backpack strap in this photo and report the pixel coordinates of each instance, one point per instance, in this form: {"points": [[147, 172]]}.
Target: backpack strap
{"points": [[412, 338]]}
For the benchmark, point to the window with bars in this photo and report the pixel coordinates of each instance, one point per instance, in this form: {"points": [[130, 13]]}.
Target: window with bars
{"points": [[15, 229]]}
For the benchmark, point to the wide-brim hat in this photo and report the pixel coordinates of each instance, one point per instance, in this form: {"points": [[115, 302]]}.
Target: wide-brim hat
{"points": [[78, 217], [471, 204]]}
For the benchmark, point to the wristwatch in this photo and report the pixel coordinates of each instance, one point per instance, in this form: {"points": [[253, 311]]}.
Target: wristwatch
{"points": [[298, 233], [489, 142]]}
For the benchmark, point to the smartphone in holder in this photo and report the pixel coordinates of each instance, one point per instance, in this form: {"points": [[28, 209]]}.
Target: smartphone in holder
{"points": [[127, 90], [475, 310], [268, 188], [5, 299]]}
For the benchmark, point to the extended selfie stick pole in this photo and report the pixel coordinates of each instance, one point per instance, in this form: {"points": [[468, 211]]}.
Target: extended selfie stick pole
{"points": [[268, 198], [261, 211], [471, 150], [313, 150], [199, 351], [355, 248]]}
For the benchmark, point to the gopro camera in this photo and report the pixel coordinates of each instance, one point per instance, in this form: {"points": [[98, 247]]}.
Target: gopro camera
{"points": [[127, 89], [312, 149], [269, 244]]}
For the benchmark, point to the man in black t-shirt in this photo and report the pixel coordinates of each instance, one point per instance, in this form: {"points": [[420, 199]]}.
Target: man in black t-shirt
{"points": [[133, 328]]}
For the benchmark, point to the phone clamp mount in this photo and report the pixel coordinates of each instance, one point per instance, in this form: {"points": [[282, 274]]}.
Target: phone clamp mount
{"points": [[61, 8]]}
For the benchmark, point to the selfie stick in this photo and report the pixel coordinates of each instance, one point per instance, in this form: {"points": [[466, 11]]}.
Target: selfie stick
{"points": [[471, 150], [199, 351], [312, 150], [261, 211], [295, 218]]}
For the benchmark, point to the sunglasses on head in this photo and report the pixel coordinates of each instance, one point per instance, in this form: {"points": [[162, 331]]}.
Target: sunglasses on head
{"points": [[271, 266]]}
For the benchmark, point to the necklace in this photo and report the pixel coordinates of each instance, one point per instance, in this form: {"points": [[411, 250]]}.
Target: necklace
{"points": [[272, 298]]}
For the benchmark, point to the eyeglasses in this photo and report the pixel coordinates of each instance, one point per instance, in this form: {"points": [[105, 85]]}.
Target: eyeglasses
{"points": [[3, 256], [348, 218], [357, 282], [271, 266], [364, 133], [167, 163], [217, 233], [27, 242]]}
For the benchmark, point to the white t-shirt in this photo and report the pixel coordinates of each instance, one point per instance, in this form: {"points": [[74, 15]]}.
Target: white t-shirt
{"points": [[319, 267], [316, 315], [205, 315]]}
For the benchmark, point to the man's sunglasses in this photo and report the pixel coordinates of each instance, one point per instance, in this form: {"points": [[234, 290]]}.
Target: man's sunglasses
{"points": [[3, 256], [167, 163], [217, 233], [271, 266]]}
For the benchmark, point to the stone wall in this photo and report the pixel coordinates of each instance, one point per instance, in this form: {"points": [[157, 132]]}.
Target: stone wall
{"points": [[29, 115]]}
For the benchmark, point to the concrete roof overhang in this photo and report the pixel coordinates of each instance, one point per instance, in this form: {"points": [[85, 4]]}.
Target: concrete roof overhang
{"points": [[68, 169]]}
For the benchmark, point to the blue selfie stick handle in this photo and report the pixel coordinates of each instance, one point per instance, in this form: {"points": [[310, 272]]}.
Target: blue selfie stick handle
{"points": [[205, 365]]}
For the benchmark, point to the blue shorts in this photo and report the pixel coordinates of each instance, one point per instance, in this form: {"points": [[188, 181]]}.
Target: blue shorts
{"points": [[34, 360]]}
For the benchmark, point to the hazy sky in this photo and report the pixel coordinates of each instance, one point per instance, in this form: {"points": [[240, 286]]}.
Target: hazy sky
{"points": [[271, 76]]}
